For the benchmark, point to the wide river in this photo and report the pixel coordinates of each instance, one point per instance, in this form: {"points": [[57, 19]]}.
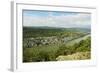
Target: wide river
{"points": [[78, 39]]}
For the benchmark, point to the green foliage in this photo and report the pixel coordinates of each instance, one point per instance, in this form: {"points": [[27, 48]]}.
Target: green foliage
{"points": [[40, 53], [52, 51], [29, 32], [82, 46], [64, 50]]}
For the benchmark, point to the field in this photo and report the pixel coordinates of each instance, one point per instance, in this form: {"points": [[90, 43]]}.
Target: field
{"points": [[56, 44]]}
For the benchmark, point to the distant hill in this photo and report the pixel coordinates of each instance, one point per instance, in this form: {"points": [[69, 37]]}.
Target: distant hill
{"points": [[59, 28], [51, 31]]}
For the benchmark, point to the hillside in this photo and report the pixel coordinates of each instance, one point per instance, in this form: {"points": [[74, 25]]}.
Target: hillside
{"points": [[51, 31]]}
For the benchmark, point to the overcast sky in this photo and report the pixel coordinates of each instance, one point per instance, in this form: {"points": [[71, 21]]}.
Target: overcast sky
{"points": [[56, 19]]}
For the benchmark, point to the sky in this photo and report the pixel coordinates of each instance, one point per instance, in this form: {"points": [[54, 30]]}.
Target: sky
{"points": [[33, 18]]}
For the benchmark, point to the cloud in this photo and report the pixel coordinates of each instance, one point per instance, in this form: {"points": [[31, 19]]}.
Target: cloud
{"points": [[59, 20]]}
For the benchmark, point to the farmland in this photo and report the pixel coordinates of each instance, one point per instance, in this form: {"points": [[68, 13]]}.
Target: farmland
{"points": [[50, 43]]}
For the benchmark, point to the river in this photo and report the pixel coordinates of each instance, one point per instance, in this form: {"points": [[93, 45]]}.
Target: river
{"points": [[78, 39]]}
